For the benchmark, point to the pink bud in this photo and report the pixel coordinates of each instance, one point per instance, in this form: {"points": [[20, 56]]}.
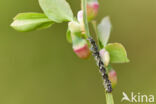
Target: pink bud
{"points": [[81, 49], [80, 16], [80, 19], [92, 10], [113, 77]]}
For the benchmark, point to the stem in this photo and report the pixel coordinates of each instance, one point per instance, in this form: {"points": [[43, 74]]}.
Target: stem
{"points": [[84, 6], [96, 54], [109, 98], [96, 32]]}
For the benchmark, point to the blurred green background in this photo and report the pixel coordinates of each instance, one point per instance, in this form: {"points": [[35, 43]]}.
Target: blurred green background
{"points": [[40, 67]]}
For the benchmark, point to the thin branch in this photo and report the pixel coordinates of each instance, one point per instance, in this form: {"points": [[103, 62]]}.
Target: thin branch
{"points": [[95, 51], [96, 31], [84, 6], [96, 54]]}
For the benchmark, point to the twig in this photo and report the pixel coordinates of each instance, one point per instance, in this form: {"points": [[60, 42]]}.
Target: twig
{"points": [[95, 51], [96, 54]]}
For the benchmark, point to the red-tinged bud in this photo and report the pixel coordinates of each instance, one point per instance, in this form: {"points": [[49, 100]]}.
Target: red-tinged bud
{"points": [[92, 10], [105, 56], [81, 48], [83, 52], [113, 77]]}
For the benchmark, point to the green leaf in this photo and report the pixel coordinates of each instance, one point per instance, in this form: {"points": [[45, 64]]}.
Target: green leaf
{"points": [[31, 21], [57, 10], [68, 36], [104, 29], [117, 53]]}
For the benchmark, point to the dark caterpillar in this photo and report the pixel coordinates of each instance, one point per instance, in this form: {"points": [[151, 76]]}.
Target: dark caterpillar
{"points": [[100, 64]]}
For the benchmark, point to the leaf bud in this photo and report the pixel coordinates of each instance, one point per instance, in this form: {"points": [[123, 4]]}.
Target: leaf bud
{"points": [[105, 56], [74, 27]]}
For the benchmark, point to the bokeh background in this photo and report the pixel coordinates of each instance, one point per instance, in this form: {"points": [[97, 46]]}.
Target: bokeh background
{"points": [[40, 67]]}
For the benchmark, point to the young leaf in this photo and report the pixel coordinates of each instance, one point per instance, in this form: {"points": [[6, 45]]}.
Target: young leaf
{"points": [[68, 36], [30, 21], [117, 53], [57, 10], [104, 29]]}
